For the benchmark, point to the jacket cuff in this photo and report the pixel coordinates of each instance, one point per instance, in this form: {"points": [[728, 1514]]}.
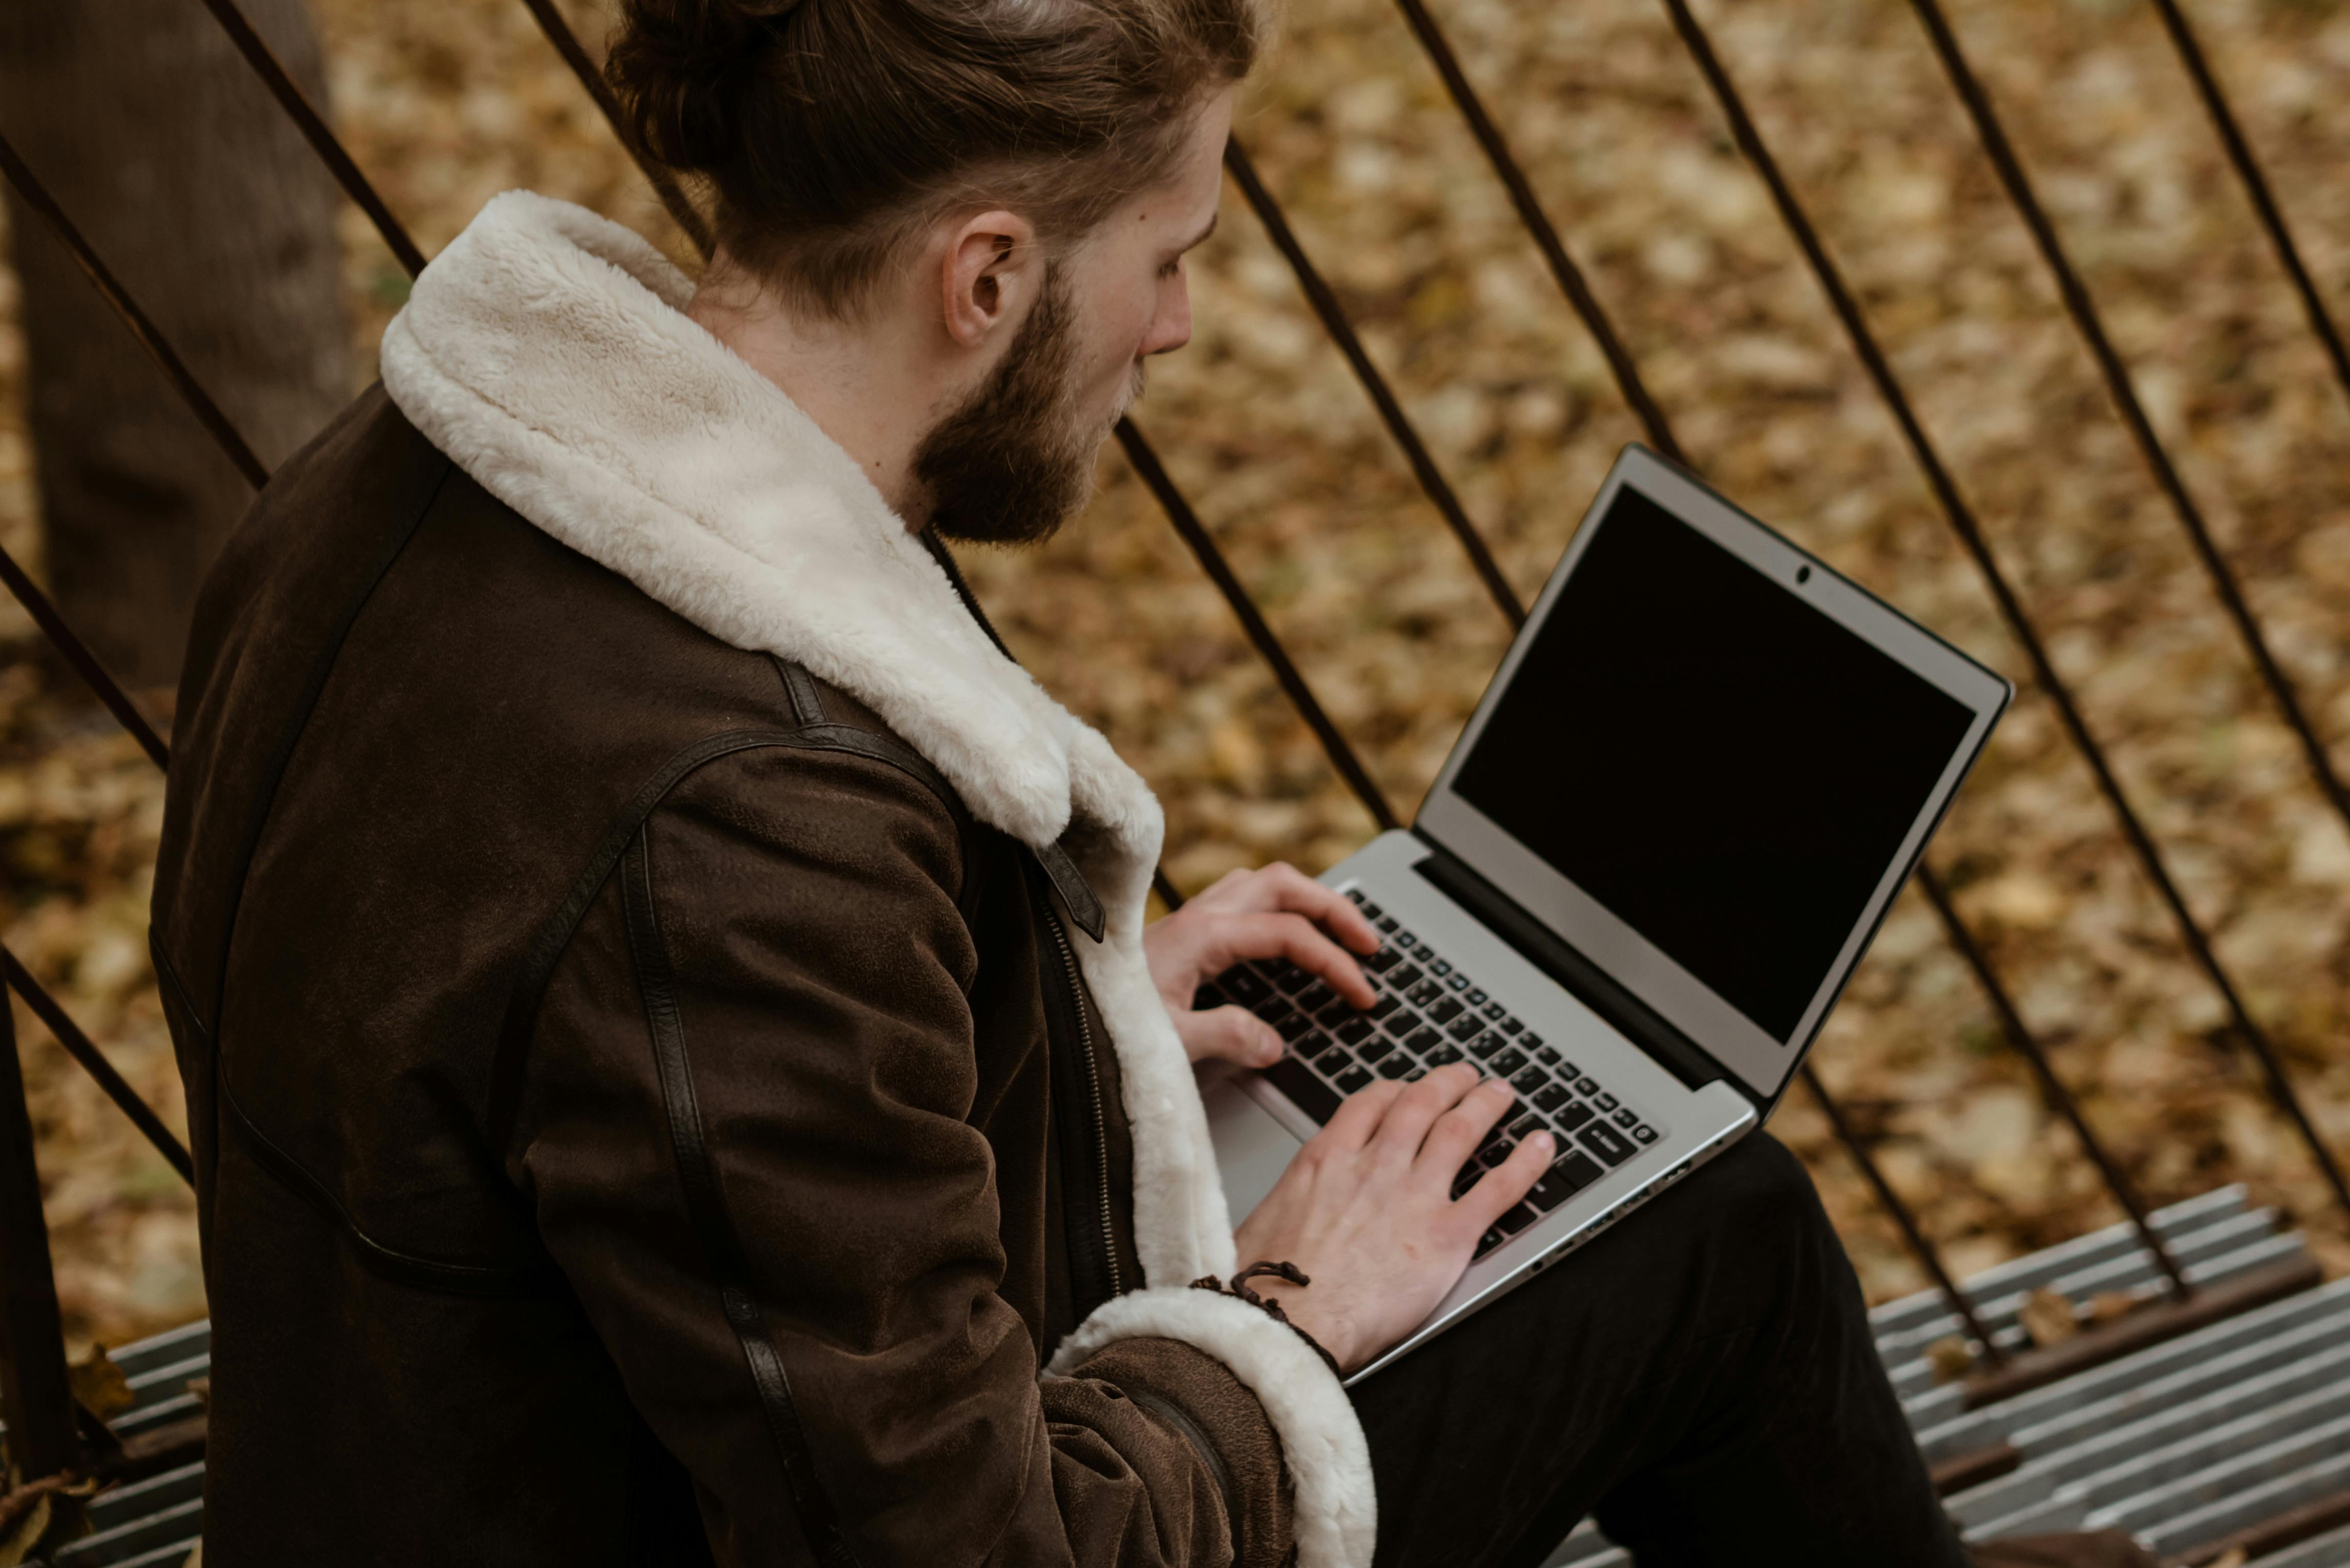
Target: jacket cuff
{"points": [[1335, 1516]]}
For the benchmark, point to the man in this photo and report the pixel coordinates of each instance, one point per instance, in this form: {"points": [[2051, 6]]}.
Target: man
{"points": [[677, 1070]]}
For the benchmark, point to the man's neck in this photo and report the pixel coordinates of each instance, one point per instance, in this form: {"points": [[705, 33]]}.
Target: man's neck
{"points": [[872, 392]]}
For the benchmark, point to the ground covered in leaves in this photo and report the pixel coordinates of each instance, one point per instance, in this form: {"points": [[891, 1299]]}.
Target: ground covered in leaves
{"points": [[1260, 421]]}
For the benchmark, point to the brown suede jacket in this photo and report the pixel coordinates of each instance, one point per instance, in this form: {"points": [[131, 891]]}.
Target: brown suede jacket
{"points": [[649, 1107]]}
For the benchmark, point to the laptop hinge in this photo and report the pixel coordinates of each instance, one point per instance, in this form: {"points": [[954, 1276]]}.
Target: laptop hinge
{"points": [[1542, 948]]}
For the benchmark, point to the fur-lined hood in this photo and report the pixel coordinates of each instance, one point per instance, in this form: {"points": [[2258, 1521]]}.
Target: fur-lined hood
{"points": [[547, 353]]}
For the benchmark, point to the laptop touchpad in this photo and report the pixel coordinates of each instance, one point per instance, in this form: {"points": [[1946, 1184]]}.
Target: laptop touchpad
{"points": [[1252, 1148]]}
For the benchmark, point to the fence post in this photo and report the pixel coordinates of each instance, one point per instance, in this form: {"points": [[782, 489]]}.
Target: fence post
{"points": [[35, 1398]]}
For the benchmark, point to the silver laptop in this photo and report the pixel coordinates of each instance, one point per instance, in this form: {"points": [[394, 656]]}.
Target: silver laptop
{"points": [[1644, 874]]}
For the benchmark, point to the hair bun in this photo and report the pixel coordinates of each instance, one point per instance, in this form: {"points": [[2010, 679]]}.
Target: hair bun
{"points": [[679, 68]]}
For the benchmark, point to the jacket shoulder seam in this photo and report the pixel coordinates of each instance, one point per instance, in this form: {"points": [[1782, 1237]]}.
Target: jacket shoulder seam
{"points": [[502, 1103]]}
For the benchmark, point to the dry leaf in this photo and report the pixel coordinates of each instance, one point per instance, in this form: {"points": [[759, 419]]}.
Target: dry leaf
{"points": [[99, 1385], [202, 1387], [2048, 1317], [196, 1558], [18, 1543], [1949, 1358], [2107, 1306]]}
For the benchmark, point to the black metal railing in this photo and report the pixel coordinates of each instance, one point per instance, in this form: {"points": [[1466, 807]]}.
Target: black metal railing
{"points": [[32, 1407]]}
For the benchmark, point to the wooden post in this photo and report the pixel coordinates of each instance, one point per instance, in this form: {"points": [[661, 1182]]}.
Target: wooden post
{"points": [[35, 1398]]}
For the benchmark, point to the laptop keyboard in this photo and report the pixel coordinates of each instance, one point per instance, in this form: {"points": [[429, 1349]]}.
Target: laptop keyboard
{"points": [[1430, 1013]]}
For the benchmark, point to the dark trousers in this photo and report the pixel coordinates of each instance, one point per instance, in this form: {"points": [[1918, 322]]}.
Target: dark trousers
{"points": [[1701, 1378]]}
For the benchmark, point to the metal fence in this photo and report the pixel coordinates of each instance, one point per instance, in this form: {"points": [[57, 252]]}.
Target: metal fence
{"points": [[45, 1437]]}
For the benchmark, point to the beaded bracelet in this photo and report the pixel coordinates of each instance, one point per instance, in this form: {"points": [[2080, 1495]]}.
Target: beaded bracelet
{"points": [[1283, 1271]]}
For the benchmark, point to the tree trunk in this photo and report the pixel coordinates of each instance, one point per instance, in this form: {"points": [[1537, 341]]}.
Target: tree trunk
{"points": [[173, 161]]}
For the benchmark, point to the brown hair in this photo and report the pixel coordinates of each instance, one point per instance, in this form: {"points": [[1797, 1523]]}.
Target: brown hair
{"points": [[832, 132]]}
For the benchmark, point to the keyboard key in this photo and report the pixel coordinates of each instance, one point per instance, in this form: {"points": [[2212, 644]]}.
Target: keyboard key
{"points": [[1515, 1221], [1606, 1103], [1571, 1118], [1477, 998], [1627, 1119], [1485, 1044], [1526, 1125], [1383, 961], [1466, 1177], [1337, 1013], [1467, 1027], [1207, 997], [1424, 953], [1527, 1082], [1494, 1155], [1371, 1050], [1511, 1026], [1507, 1063], [1424, 1041], [1314, 1044], [1290, 1027], [1531, 1042], [1398, 1065], [1415, 1075], [1382, 1007], [1243, 985], [1457, 981], [1371, 911], [1567, 1071], [1290, 979], [1587, 1086], [1550, 1054], [1443, 1056], [1406, 941], [1403, 1021], [1498, 1014], [1315, 998], [1440, 967], [1311, 1095], [1443, 1010], [1386, 923], [1563, 1180], [1606, 1142], [1404, 977], [1356, 895], [1551, 1097], [1643, 1134], [1486, 1243], [1355, 1031], [1425, 992], [1358, 1079]]}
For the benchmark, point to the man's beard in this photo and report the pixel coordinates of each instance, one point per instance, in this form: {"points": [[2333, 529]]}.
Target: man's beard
{"points": [[1013, 462]]}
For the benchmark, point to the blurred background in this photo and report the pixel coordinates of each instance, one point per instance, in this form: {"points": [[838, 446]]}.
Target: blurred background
{"points": [[159, 143]]}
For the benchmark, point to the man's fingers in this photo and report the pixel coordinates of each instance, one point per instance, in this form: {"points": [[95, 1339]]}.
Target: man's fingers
{"points": [[1296, 938], [1459, 1131], [1295, 891], [1405, 1124], [1228, 1035], [1281, 888], [1359, 1115], [1508, 1181]]}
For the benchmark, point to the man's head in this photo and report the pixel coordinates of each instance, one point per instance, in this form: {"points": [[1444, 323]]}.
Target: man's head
{"points": [[992, 196]]}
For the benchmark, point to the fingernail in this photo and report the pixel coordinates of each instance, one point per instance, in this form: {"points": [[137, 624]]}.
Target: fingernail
{"points": [[1543, 1142]]}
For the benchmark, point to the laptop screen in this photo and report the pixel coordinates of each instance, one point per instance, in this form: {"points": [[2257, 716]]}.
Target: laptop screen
{"points": [[1710, 758]]}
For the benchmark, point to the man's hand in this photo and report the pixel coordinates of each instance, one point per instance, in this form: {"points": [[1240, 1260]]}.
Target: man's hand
{"points": [[1278, 912], [1366, 1209]]}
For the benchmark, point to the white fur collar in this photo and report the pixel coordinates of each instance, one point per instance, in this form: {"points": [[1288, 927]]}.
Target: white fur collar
{"points": [[547, 353]]}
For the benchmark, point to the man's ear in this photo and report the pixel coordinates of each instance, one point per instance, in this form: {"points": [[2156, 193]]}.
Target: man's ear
{"points": [[990, 265]]}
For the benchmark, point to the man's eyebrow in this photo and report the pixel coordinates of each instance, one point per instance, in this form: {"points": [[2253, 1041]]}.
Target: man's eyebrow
{"points": [[1201, 237]]}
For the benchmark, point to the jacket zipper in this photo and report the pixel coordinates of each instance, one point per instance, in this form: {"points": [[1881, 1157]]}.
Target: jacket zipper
{"points": [[1093, 1085]]}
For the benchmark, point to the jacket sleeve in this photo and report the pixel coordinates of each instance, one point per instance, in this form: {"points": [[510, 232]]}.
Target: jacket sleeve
{"points": [[747, 1139]]}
